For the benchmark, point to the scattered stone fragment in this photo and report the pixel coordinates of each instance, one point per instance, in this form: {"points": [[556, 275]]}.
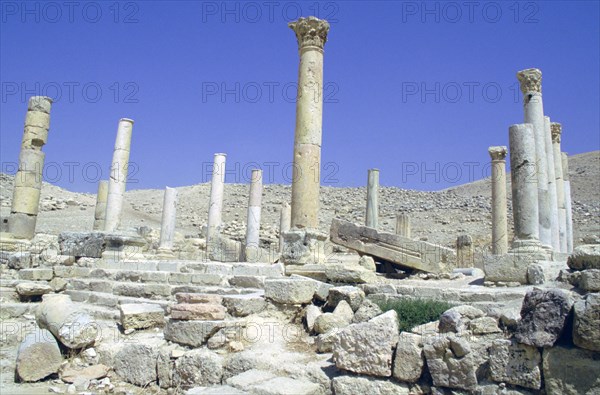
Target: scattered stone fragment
{"points": [[353, 295], [352, 385], [33, 289], [367, 262], [571, 371], [590, 280], [408, 363], [244, 305], [198, 367], [329, 321], [451, 321], [136, 364], [283, 385], [38, 356], [290, 291], [514, 363], [249, 377], [446, 368], [90, 244], [586, 323], [484, 326], [543, 316], [310, 315], [366, 311], [141, 315], [584, 257], [94, 372], [185, 297], [344, 311], [195, 311]]}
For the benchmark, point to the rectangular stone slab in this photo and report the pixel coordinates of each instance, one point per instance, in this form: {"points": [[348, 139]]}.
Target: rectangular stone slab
{"points": [[401, 251]]}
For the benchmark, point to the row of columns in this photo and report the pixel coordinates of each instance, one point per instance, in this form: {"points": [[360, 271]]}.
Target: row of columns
{"points": [[541, 194]]}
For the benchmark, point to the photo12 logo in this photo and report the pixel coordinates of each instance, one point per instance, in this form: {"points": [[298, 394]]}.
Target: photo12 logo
{"points": [[267, 92], [69, 11], [469, 11], [71, 91], [267, 11]]}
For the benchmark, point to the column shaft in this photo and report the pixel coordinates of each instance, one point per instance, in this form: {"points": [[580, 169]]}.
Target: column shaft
{"points": [[556, 129], [285, 222], [169, 219], [403, 225], [568, 202], [100, 211], [254, 211], [28, 180], [372, 215], [499, 213], [118, 175], [215, 207], [551, 185]]}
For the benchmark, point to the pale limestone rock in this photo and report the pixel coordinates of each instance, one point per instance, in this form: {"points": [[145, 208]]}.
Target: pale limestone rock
{"points": [[366, 311], [38, 356], [590, 280], [408, 362], [452, 321], [349, 274], [289, 291], [352, 385], [352, 295], [344, 311], [136, 364], [244, 305], [484, 326], [248, 378], [282, 386], [586, 324], [194, 333], [446, 368], [467, 311], [367, 348], [584, 257], [198, 367], [33, 289], [197, 311], [328, 321], [367, 262], [185, 297], [141, 315], [571, 371], [93, 372], [515, 363], [311, 313]]}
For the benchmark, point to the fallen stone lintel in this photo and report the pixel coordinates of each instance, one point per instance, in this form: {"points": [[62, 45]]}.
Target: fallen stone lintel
{"points": [[399, 250]]}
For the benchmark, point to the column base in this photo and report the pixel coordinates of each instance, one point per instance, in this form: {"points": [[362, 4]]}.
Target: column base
{"points": [[8, 243], [303, 246], [165, 254], [514, 265], [124, 247], [21, 225]]}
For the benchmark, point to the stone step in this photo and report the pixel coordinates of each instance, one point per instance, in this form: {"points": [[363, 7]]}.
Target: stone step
{"points": [[8, 294], [110, 301], [100, 312], [16, 309]]}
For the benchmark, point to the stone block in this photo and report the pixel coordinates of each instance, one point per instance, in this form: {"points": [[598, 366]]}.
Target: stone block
{"points": [[586, 323], [76, 244], [141, 315], [584, 257], [571, 371], [590, 280], [38, 356], [289, 291], [514, 363], [352, 385], [196, 311], [36, 274]]}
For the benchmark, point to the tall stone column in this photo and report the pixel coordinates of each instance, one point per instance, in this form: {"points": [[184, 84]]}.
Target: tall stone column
{"points": [[531, 86], [285, 221], [215, 207], [568, 202], [311, 34], [252, 250], [304, 243], [372, 216], [403, 225], [118, 175], [28, 180], [168, 223], [499, 216], [556, 129], [552, 185], [100, 211]]}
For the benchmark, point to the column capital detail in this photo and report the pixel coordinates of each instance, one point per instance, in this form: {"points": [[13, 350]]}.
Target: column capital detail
{"points": [[498, 153], [310, 32], [530, 80], [556, 129]]}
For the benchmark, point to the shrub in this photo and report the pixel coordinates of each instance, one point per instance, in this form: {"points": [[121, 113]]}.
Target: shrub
{"points": [[415, 312]]}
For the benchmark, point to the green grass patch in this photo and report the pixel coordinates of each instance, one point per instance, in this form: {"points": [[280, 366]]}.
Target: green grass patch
{"points": [[415, 312]]}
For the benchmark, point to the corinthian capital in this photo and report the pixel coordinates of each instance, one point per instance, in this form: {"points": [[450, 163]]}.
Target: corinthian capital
{"points": [[530, 80], [310, 32], [498, 153], [556, 129]]}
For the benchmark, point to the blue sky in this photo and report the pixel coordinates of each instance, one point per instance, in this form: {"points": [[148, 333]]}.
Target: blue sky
{"points": [[416, 89]]}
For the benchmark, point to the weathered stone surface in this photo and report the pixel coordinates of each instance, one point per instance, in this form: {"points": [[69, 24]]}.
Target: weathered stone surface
{"points": [[33, 289], [94, 372], [198, 367], [311, 313], [404, 252], [590, 280], [290, 291], [586, 324], [194, 333], [303, 246], [584, 257], [467, 311], [408, 363], [484, 326], [72, 326], [446, 368], [185, 297], [250, 377], [38, 356], [325, 341], [87, 244], [197, 311], [367, 262], [344, 311], [352, 295], [165, 364], [366, 311], [349, 274], [352, 385], [218, 390], [38, 274], [322, 289], [367, 348], [514, 363], [244, 305], [571, 371], [543, 316], [136, 364], [19, 260], [283, 386], [141, 315], [451, 321], [329, 321]]}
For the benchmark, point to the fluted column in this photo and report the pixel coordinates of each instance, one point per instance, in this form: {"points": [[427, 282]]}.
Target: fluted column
{"points": [[118, 175], [556, 129], [568, 202], [403, 225], [552, 185], [531, 86], [169, 221], [252, 250], [524, 184], [215, 207], [28, 180], [499, 213], [100, 211], [372, 215], [311, 34]]}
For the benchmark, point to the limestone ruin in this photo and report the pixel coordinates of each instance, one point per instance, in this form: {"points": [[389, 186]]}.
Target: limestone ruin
{"points": [[156, 309]]}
